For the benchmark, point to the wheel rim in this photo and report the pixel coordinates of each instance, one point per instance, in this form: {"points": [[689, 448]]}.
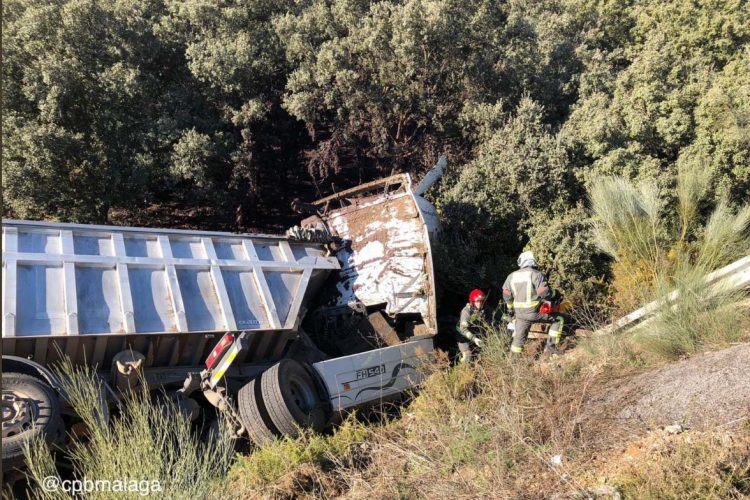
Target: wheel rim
{"points": [[303, 394], [19, 412]]}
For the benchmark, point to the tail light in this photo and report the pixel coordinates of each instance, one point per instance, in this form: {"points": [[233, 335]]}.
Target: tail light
{"points": [[546, 308], [219, 349]]}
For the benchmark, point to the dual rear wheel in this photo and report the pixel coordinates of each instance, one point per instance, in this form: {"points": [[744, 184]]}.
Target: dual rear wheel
{"points": [[282, 400]]}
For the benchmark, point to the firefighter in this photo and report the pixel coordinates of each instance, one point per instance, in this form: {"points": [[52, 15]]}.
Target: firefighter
{"points": [[470, 328], [523, 292]]}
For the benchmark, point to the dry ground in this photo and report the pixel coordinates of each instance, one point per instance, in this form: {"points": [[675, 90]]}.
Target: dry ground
{"points": [[704, 391]]}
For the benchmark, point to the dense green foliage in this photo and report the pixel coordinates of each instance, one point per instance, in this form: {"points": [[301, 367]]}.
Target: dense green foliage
{"points": [[247, 104]]}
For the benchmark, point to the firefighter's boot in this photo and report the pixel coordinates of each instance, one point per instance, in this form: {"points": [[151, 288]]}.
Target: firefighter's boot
{"points": [[465, 350], [553, 337]]}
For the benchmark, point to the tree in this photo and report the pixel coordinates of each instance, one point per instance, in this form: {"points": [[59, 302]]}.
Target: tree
{"points": [[385, 86], [520, 177], [236, 59], [652, 99], [86, 120]]}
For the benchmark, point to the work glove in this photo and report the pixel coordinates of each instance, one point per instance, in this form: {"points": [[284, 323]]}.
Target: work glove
{"points": [[477, 341], [512, 326]]}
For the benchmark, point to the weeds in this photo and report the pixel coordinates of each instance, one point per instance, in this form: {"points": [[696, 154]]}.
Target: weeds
{"points": [[709, 465], [300, 464], [144, 440], [485, 429], [41, 463]]}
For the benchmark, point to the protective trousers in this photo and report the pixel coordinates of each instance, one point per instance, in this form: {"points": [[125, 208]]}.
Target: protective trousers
{"points": [[523, 324]]}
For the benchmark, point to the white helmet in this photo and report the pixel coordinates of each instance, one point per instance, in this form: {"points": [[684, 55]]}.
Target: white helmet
{"points": [[526, 259]]}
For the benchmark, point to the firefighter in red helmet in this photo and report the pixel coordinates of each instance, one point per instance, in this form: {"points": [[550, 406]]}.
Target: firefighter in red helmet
{"points": [[472, 324]]}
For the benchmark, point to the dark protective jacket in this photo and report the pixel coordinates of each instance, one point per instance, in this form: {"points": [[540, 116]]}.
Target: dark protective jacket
{"points": [[524, 290], [471, 320]]}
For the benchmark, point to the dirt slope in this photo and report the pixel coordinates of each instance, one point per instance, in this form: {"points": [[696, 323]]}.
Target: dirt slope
{"points": [[710, 389]]}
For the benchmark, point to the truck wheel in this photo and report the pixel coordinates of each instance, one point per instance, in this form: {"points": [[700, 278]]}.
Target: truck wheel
{"points": [[254, 415], [30, 410], [292, 398]]}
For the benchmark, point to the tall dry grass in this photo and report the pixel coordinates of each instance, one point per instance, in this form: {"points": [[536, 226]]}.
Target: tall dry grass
{"points": [[142, 440], [485, 430], [497, 428], [657, 254]]}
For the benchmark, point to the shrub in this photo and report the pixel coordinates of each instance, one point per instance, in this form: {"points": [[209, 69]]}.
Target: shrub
{"points": [[290, 465], [661, 244], [144, 440], [628, 227], [566, 250], [703, 316], [657, 255]]}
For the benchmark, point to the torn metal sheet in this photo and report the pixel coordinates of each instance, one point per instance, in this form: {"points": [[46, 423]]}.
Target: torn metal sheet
{"points": [[385, 256]]}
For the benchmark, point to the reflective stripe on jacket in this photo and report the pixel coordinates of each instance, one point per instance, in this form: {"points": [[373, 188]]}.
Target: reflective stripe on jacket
{"points": [[525, 289]]}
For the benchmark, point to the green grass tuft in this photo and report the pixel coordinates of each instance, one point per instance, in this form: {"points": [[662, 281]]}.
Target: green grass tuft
{"points": [[301, 461], [145, 439]]}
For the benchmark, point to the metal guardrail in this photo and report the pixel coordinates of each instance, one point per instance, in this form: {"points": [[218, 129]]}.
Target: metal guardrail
{"points": [[733, 276]]}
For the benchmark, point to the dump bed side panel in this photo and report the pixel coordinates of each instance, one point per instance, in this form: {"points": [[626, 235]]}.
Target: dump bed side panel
{"points": [[76, 280]]}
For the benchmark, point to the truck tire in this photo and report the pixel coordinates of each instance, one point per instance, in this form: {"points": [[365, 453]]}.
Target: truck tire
{"points": [[292, 399], [254, 415], [30, 409]]}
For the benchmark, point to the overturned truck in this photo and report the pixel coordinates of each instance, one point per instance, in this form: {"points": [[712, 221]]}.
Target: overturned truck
{"points": [[274, 332]]}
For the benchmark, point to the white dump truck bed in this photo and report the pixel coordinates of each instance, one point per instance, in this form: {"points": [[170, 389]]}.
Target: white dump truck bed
{"points": [[91, 291], [67, 279]]}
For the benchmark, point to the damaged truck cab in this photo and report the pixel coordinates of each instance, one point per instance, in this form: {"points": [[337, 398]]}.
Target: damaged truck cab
{"points": [[275, 332], [380, 313]]}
